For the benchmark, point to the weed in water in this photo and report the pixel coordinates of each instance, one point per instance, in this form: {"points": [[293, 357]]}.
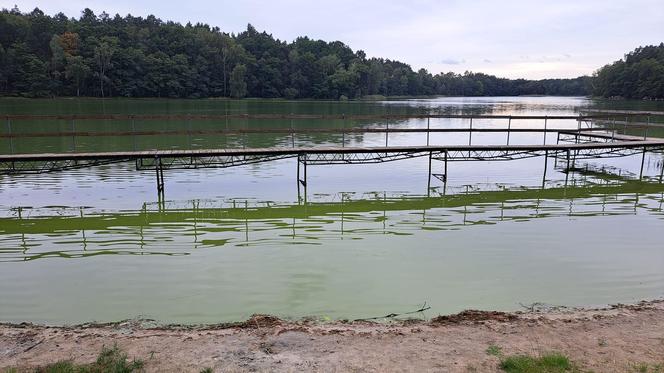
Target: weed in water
{"points": [[549, 363]]}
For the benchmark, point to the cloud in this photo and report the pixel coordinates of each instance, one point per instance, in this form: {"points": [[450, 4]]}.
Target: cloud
{"points": [[451, 61], [418, 32]]}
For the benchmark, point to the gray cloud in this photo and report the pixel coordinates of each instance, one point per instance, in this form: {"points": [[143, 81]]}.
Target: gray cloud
{"points": [[557, 37], [452, 61]]}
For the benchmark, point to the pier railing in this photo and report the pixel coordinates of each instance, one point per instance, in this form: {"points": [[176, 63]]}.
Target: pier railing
{"points": [[588, 137], [15, 125]]}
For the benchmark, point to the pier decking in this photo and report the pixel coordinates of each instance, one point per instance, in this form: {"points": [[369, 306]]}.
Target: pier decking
{"points": [[582, 141]]}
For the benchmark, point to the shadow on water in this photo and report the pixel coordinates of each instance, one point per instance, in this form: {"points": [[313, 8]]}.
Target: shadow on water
{"points": [[180, 228]]}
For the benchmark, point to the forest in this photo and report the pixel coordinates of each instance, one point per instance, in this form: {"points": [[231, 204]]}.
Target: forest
{"points": [[115, 56], [640, 75]]}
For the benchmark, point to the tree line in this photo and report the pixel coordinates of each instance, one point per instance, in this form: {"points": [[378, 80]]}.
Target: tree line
{"points": [[639, 75], [114, 56]]}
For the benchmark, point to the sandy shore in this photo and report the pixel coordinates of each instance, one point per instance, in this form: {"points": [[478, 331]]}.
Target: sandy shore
{"points": [[614, 339]]}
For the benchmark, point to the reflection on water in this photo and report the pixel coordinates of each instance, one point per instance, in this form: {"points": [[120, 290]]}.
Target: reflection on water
{"points": [[182, 228]]}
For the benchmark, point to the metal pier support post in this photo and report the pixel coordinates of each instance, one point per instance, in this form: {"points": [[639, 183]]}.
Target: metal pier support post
{"points": [[292, 133], [545, 128], [73, 136], [160, 177], [387, 131], [645, 134], [302, 159], [643, 161], [567, 168], [428, 133], [300, 180], [546, 163], [509, 129], [343, 131], [11, 139], [445, 176], [133, 134], [470, 133], [429, 180]]}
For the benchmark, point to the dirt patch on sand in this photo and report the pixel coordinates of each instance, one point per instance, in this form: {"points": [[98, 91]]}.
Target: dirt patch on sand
{"points": [[615, 339]]}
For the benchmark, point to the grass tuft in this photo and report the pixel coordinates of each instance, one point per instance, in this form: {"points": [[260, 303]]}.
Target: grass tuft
{"points": [[494, 350], [110, 360], [549, 363]]}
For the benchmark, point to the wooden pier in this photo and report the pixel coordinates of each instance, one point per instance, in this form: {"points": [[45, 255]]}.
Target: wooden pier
{"points": [[585, 139]]}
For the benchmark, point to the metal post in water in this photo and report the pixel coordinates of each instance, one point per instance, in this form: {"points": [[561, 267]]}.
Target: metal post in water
{"points": [[643, 161], [11, 139], [546, 159], [292, 131], [509, 129], [429, 180], [133, 133], [470, 133], [73, 136], [156, 168], [343, 128], [305, 172], [445, 176], [298, 173], [645, 135], [189, 132], [545, 127], [428, 129], [568, 170], [387, 130]]}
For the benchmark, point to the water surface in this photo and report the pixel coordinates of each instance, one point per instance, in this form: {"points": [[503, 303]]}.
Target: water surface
{"points": [[94, 243]]}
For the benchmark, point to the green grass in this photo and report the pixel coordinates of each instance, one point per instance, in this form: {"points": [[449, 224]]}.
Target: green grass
{"points": [[494, 350], [110, 360], [549, 363], [647, 368]]}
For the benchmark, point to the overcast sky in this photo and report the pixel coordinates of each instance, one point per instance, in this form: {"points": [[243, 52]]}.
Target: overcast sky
{"points": [[508, 38]]}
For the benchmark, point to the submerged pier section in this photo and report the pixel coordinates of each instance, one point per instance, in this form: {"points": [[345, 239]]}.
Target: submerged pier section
{"points": [[597, 135]]}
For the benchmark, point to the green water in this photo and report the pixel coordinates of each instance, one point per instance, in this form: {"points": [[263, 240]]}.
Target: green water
{"points": [[94, 244]]}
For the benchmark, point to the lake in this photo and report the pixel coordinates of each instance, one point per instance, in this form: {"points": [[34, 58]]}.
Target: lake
{"points": [[94, 244]]}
